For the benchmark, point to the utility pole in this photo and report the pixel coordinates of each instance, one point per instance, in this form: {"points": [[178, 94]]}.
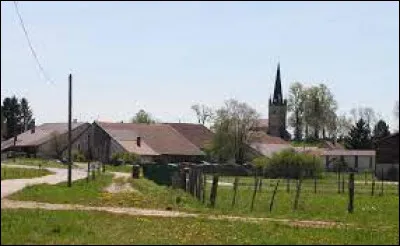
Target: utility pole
{"points": [[69, 130]]}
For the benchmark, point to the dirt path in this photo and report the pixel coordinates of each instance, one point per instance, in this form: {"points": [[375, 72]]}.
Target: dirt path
{"points": [[12, 204], [10, 186], [120, 183]]}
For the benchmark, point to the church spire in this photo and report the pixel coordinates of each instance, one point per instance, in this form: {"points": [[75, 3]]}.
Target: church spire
{"points": [[278, 99]]}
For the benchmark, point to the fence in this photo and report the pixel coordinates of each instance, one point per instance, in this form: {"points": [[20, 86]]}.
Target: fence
{"points": [[208, 184]]}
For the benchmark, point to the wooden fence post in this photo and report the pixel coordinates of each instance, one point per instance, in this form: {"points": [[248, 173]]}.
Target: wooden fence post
{"points": [[235, 186], [93, 170], [338, 172], [315, 184], [342, 182], [381, 182], [214, 188], [288, 184], [182, 175], [271, 204], [88, 171], [365, 177], [204, 187], [296, 201], [351, 193], [373, 186], [200, 185], [256, 180]]}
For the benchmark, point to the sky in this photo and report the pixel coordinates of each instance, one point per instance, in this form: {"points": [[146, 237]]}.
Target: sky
{"points": [[165, 56]]}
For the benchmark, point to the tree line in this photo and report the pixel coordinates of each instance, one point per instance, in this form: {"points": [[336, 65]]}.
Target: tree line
{"points": [[16, 116]]}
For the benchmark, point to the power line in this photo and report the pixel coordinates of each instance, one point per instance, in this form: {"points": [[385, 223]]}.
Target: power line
{"points": [[30, 44]]}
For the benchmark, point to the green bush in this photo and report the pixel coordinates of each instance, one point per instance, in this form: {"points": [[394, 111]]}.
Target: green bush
{"points": [[78, 156], [124, 157], [340, 165], [290, 164]]}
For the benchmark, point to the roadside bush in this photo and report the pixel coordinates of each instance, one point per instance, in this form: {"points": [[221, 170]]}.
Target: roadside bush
{"points": [[78, 156], [124, 158], [290, 164]]}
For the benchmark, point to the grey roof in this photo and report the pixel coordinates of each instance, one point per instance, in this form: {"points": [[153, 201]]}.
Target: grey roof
{"points": [[42, 134]]}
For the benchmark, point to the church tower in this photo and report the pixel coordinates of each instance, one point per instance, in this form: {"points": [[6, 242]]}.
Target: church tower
{"points": [[277, 109]]}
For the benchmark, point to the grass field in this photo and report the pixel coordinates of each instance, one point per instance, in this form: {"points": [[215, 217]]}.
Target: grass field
{"points": [[383, 211], [36, 162], [76, 227], [22, 173]]}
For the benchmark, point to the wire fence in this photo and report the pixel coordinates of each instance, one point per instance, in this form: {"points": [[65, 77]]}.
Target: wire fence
{"points": [[215, 189]]}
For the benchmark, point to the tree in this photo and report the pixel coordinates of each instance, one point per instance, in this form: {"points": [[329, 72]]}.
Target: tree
{"points": [[232, 124], [359, 136], [381, 130], [343, 127], [203, 113], [319, 111], [12, 114], [365, 113], [3, 124], [296, 106], [143, 117], [26, 114]]}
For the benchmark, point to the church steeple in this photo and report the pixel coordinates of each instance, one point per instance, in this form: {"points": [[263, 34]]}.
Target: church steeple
{"points": [[278, 99]]}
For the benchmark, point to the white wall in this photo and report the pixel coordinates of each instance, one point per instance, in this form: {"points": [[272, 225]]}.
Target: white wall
{"points": [[363, 161]]}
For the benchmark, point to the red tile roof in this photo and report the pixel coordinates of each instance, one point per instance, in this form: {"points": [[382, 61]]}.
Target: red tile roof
{"points": [[160, 138], [198, 134]]}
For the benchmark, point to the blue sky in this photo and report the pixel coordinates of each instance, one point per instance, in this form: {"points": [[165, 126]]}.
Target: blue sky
{"points": [[165, 56]]}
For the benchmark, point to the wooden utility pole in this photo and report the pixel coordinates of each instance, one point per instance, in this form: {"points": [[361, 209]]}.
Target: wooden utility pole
{"points": [[69, 130]]}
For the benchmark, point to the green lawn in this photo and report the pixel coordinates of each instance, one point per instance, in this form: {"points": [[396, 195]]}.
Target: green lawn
{"points": [[22, 173], [82, 227], [370, 211], [36, 162]]}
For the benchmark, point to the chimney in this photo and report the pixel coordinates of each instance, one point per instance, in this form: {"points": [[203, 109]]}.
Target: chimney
{"points": [[33, 127], [138, 141]]}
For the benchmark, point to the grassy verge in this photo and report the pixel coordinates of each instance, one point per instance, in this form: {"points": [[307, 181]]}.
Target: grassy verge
{"points": [[36, 162], [21, 173], [370, 211], [120, 168], [81, 192], [78, 227]]}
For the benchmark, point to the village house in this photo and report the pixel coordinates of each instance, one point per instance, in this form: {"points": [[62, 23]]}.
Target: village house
{"points": [[387, 157], [49, 140], [173, 142]]}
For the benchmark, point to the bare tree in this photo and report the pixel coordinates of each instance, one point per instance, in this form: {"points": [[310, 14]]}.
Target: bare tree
{"points": [[365, 113], [232, 125], [204, 113], [343, 126]]}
